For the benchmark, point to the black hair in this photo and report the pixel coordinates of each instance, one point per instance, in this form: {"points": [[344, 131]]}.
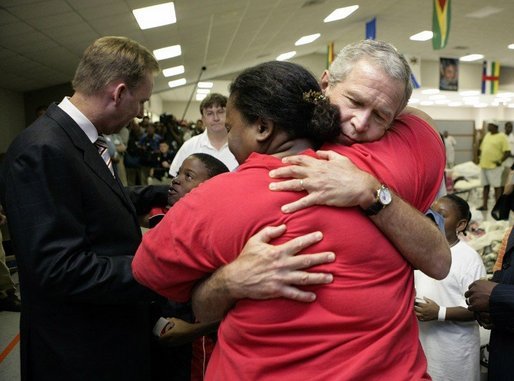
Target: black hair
{"points": [[288, 95], [462, 207], [214, 166], [213, 99]]}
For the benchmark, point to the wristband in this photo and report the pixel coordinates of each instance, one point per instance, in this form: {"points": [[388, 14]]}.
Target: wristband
{"points": [[441, 316]]}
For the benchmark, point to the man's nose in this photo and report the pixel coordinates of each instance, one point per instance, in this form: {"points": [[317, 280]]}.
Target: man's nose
{"points": [[361, 120]]}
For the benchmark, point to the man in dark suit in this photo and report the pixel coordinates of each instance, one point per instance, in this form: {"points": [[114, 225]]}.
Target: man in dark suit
{"points": [[75, 230], [493, 304]]}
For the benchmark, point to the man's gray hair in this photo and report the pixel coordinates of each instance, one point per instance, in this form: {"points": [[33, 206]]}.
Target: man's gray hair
{"points": [[381, 53]]}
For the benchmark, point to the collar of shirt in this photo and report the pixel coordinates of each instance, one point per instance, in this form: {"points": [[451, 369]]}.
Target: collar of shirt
{"points": [[204, 141], [79, 118]]}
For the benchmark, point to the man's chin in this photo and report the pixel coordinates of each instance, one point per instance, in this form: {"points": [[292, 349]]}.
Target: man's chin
{"points": [[345, 140]]}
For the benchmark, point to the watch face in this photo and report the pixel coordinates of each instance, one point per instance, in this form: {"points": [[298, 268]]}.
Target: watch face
{"points": [[385, 196]]}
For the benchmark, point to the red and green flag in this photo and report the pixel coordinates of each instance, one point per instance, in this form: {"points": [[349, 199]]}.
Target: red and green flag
{"points": [[441, 23], [490, 77]]}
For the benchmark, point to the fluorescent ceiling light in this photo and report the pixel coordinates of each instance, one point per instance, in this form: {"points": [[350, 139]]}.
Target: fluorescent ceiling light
{"points": [[480, 105], [200, 97], [511, 46], [413, 101], [156, 15], [286, 56], [422, 36], [471, 57], [426, 103], [430, 91], [437, 96], [484, 12], [307, 39], [468, 93], [203, 91], [455, 104], [176, 70], [177, 82], [341, 13], [205, 85], [167, 52], [505, 95]]}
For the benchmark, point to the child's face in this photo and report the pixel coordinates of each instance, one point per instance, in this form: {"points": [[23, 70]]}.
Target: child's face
{"points": [[446, 209], [192, 173]]}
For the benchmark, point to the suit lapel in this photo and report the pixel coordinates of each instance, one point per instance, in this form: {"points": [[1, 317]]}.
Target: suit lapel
{"points": [[90, 154]]}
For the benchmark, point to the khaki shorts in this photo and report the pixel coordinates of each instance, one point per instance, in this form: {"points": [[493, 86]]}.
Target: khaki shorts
{"points": [[492, 177]]}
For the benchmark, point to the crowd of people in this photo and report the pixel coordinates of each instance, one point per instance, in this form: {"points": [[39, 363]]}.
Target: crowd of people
{"points": [[304, 255]]}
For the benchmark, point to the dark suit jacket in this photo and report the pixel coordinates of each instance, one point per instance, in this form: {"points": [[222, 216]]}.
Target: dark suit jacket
{"points": [[74, 232], [501, 345]]}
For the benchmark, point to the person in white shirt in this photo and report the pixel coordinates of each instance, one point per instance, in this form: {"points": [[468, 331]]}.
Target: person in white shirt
{"points": [[213, 140], [448, 332], [449, 143]]}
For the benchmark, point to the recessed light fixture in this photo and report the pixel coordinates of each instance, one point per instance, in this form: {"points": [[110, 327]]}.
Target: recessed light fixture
{"points": [[471, 57], [430, 91], [177, 82], [471, 100], [426, 103], [205, 85], [200, 97], [286, 56], [437, 96], [468, 93], [422, 36], [176, 70], [203, 91], [511, 46], [156, 15], [167, 52], [341, 13], [413, 101], [480, 105], [455, 104], [307, 39]]}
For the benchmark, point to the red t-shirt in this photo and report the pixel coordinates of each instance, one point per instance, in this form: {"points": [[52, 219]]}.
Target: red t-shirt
{"points": [[361, 326]]}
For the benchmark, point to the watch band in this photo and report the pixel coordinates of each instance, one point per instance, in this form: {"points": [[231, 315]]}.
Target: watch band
{"points": [[383, 198]]}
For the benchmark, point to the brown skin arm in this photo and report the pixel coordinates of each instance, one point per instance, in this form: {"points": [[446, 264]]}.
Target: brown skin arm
{"points": [[430, 311], [183, 332]]}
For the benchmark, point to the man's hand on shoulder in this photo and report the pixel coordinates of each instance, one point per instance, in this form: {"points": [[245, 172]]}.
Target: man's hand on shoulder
{"points": [[331, 180]]}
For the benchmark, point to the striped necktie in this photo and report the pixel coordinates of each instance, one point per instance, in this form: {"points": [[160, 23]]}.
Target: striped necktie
{"points": [[101, 146]]}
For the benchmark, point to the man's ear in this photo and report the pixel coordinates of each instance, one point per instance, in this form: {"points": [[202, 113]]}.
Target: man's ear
{"points": [[119, 92], [324, 81], [265, 129]]}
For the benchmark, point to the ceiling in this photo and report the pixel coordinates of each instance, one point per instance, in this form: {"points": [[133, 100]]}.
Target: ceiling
{"points": [[41, 41]]}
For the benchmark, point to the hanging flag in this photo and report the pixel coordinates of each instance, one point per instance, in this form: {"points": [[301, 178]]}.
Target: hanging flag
{"points": [[330, 54], [490, 77], [441, 21], [371, 29], [415, 67]]}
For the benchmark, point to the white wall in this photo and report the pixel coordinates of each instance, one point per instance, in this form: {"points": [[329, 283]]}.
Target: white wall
{"points": [[479, 115], [12, 117], [177, 109]]}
